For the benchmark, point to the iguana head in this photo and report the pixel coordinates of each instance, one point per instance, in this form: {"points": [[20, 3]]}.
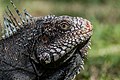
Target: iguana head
{"points": [[60, 36], [50, 40]]}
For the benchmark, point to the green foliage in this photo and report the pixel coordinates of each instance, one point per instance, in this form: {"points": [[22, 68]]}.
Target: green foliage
{"points": [[106, 34], [101, 68], [87, 1]]}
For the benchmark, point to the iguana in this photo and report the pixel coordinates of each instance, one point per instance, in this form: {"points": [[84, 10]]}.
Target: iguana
{"points": [[43, 48]]}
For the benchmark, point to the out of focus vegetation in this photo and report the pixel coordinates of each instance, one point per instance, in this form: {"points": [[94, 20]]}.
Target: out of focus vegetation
{"points": [[103, 59]]}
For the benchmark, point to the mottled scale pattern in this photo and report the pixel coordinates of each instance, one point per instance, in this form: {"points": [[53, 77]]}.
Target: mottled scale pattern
{"points": [[43, 48], [67, 40]]}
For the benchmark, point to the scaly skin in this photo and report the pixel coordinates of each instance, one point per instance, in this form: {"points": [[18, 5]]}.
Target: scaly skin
{"points": [[44, 48]]}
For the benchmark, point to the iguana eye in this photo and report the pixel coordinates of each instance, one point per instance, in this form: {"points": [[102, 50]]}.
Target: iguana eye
{"points": [[64, 26]]}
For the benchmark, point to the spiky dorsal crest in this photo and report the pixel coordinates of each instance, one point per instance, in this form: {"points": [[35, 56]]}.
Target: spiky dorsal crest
{"points": [[11, 24]]}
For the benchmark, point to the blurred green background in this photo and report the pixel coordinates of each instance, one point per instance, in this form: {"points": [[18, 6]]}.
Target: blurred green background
{"points": [[104, 58]]}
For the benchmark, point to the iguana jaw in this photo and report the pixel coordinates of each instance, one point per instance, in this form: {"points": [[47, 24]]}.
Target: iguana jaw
{"points": [[80, 41], [68, 55]]}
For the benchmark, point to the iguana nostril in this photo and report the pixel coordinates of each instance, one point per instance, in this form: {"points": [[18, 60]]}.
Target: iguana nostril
{"points": [[88, 25]]}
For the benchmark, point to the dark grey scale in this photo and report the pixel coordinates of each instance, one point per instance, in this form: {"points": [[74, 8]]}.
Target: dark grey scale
{"points": [[77, 33], [48, 18], [79, 21], [90, 33], [69, 44], [61, 42], [81, 24], [70, 34], [57, 50], [44, 56], [85, 36], [62, 48], [76, 20], [77, 41], [72, 18], [78, 24], [66, 44], [74, 42], [54, 54], [68, 49], [82, 38]]}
